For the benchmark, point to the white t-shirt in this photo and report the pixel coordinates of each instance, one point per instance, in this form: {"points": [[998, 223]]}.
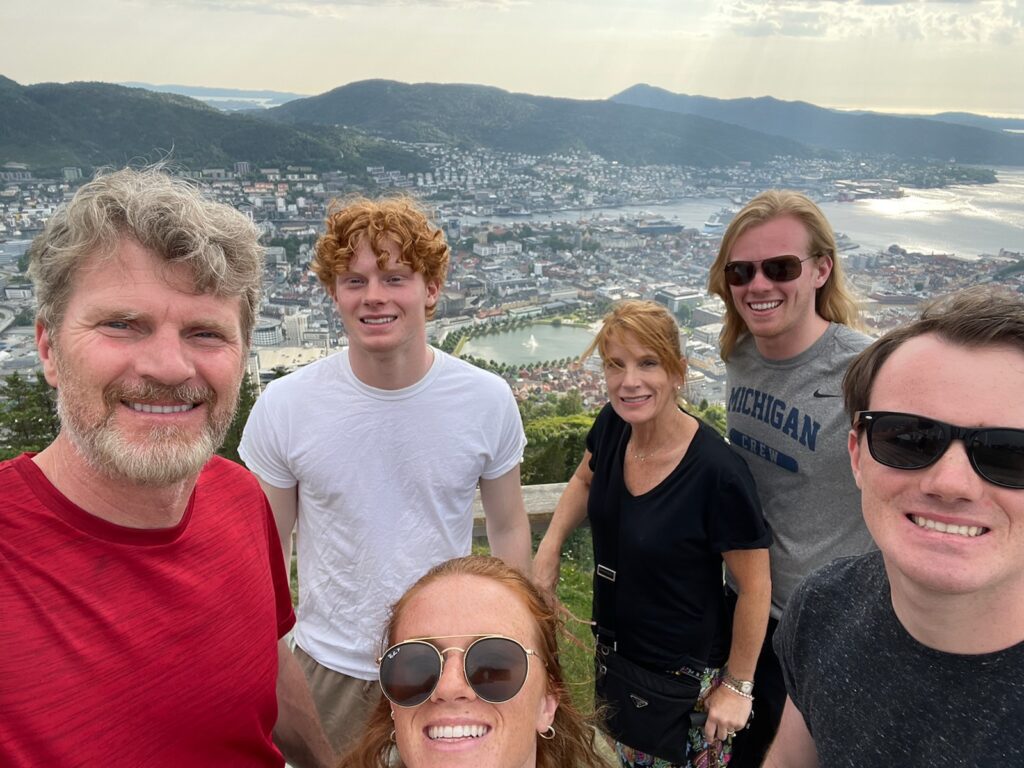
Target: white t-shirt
{"points": [[386, 480]]}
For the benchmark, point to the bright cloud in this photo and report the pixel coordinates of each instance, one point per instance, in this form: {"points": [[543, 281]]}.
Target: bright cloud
{"points": [[968, 21], [336, 8]]}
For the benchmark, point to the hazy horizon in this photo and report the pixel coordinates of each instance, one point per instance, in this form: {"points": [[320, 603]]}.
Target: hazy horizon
{"points": [[229, 89], [907, 56]]}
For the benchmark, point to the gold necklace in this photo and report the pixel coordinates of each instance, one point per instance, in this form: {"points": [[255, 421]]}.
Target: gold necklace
{"points": [[642, 457]]}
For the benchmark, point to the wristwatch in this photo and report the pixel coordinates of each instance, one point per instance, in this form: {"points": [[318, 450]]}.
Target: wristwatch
{"points": [[744, 687]]}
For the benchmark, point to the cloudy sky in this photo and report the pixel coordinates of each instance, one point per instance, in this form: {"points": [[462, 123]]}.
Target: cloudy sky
{"points": [[894, 55]]}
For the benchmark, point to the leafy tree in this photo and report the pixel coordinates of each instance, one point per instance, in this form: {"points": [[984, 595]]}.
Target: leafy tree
{"points": [[557, 243], [247, 394], [555, 445], [28, 414], [684, 315], [569, 404], [712, 415]]}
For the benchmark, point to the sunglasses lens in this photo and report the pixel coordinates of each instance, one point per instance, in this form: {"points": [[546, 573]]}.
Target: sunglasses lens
{"points": [[496, 668], [739, 272], [906, 441], [999, 456], [409, 672], [782, 269]]}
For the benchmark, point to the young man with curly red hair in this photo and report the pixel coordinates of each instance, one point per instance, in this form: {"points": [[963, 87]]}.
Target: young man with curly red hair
{"points": [[375, 453]]}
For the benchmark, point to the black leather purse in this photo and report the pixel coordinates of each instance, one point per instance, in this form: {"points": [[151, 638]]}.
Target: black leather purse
{"points": [[648, 711]]}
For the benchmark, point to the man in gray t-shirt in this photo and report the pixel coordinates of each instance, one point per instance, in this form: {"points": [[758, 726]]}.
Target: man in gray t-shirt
{"points": [[786, 342]]}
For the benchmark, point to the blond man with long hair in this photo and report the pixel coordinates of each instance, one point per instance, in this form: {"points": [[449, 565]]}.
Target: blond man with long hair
{"points": [[786, 341]]}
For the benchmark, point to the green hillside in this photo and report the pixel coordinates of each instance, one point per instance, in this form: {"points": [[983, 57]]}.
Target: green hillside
{"points": [[470, 115], [50, 125]]}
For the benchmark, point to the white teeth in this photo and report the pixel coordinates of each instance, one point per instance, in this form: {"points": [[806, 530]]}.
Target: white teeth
{"points": [[639, 399], [456, 731], [378, 320], [969, 531], [764, 305], [147, 408]]}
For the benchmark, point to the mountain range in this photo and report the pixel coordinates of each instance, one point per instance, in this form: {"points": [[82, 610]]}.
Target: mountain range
{"points": [[957, 136], [88, 124], [473, 115]]}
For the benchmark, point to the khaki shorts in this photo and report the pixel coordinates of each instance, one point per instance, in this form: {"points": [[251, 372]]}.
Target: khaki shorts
{"points": [[344, 703]]}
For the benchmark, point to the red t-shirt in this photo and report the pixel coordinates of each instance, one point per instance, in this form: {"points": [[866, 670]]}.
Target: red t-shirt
{"points": [[130, 647]]}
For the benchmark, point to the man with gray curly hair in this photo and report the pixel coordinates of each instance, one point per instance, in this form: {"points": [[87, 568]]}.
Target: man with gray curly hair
{"points": [[141, 580]]}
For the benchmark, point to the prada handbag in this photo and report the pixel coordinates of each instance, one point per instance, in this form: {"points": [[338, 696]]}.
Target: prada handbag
{"points": [[646, 710]]}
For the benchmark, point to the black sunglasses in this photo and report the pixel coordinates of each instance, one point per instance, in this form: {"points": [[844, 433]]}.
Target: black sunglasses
{"points": [[495, 667], [778, 269], [907, 441]]}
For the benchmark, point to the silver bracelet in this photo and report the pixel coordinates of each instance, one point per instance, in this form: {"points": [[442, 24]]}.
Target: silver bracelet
{"points": [[736, 690]]}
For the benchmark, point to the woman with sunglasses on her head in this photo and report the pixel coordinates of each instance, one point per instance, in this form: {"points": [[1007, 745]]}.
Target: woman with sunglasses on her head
{"points": [[667, 500], [471, 677]]}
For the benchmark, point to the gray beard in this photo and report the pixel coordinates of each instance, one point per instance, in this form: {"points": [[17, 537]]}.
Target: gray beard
{"points": [[167, 455]]}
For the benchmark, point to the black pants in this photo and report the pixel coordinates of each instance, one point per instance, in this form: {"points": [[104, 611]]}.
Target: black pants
{"points": [[750, 745]]}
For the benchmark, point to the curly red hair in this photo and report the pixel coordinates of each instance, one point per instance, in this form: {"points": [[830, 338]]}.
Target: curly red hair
{"points": [[398, 219]]}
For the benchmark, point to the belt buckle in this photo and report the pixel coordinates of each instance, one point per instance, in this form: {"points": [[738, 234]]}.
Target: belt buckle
{"points": [[605, 572]]}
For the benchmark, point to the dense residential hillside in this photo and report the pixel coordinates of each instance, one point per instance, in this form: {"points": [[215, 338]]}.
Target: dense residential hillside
{"points": [[940, 137], [473, 115], [91, 124]]}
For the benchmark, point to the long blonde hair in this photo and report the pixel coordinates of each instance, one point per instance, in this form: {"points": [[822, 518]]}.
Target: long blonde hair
{"points": [[833, 301]]}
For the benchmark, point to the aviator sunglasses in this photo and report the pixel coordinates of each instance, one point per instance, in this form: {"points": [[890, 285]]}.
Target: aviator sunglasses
{"points": [[495, 668], [907, 441], [778, 269]]}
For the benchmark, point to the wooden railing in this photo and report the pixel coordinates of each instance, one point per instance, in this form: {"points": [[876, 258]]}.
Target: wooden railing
{"points": [[540, 501]]}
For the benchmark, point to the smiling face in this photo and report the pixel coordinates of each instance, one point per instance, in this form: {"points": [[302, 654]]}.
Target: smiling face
{"points": [[781, 316], [384, 310], [146, 371], [982, 546], [499, 735], [640, 388]]}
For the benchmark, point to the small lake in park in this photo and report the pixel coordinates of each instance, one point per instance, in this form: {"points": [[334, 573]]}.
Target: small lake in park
{"points": [[533, 344]]}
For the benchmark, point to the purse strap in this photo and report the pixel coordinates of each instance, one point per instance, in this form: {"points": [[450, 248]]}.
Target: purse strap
{"points": [[607, 560]]}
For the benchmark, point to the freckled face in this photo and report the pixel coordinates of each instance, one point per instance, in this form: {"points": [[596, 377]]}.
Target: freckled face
{"points": [[146, 371], [383, 310], [503, 735]]}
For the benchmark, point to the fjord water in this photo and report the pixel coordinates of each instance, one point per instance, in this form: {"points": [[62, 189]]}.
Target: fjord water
{"points": [[963, 220]]}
